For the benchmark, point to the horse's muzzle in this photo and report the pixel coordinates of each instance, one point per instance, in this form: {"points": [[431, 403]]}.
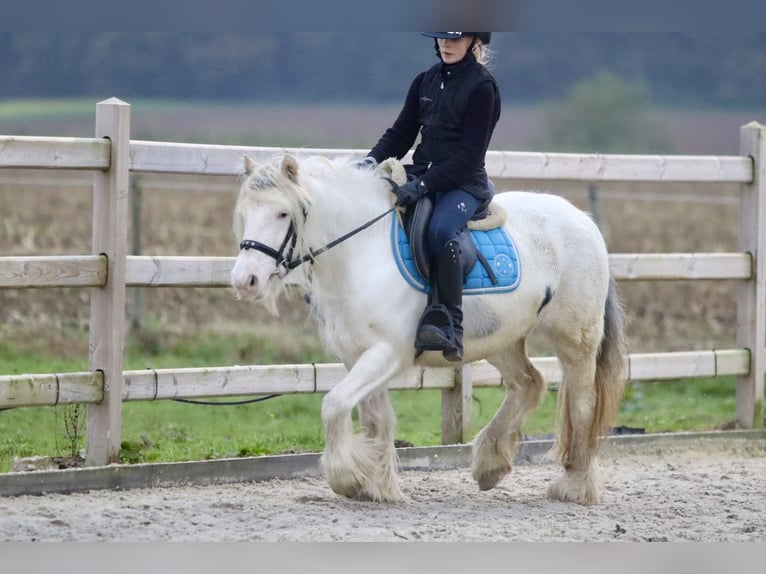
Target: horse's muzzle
{"points": [[246, 285]]}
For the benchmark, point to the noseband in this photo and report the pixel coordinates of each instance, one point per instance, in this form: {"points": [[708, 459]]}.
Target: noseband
{"points": [[284, 261]]}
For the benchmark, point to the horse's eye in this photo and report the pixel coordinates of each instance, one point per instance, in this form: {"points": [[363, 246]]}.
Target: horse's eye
{"points": [[283, 214]]}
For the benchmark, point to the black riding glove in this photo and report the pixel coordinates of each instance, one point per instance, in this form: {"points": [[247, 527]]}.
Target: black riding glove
{"points": [[410, 192]]}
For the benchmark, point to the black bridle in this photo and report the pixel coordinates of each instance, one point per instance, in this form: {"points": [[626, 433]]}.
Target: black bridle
{"points": [[285, 262]]}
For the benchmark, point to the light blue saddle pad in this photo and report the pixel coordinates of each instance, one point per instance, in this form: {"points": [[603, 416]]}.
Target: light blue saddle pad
{"points": [[496, 245]]}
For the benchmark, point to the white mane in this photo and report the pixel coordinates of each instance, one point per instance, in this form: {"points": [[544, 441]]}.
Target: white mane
{"points": [[266, 184]]}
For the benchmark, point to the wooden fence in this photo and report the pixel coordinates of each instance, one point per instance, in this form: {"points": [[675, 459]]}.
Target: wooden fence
{"points": [[108, 271]]}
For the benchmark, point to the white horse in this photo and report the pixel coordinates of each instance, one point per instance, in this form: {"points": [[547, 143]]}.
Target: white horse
{"points": [[289, 210]]}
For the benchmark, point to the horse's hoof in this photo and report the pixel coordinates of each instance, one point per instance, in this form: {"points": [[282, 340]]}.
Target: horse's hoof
{"points": [[566, 490], [491, 479], [346, 490], [380, 497]]}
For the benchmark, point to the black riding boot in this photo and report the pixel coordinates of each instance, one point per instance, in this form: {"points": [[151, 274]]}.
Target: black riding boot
{"points": [[441, 326]]}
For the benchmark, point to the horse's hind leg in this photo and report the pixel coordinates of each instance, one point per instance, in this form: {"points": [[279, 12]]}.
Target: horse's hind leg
{"points": [[494, 447], [578, 403], [378, 421]]}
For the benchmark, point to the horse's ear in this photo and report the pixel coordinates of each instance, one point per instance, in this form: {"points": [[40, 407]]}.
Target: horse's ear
{"points": [[249, 165], [290, 168]]}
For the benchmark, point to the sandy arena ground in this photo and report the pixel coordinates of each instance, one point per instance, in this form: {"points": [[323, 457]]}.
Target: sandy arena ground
{"points": [[700, 494]]}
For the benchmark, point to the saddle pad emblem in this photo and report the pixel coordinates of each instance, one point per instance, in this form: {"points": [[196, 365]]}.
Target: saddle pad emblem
{"points": [[496, 246]]}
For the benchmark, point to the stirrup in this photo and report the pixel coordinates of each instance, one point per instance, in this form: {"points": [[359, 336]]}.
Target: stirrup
{"points": [[431, 336]]}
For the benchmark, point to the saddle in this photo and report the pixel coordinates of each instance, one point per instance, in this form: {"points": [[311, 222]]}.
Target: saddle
{"points": [[415, 220]]}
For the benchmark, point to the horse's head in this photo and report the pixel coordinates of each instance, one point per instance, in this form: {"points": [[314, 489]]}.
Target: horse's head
{"points": [[269, 208]]}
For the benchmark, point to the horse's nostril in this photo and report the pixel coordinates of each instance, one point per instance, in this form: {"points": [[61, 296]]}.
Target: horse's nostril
{"points": [[253, 281]]}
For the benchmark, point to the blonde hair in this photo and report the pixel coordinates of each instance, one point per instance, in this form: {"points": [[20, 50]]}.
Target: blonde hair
{"points": [[481, 52]]}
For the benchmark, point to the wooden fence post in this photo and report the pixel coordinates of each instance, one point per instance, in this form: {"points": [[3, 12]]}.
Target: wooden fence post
{"points": [[107, 304], [456, 408], [751, 295], [136, 211], [594, 205]]}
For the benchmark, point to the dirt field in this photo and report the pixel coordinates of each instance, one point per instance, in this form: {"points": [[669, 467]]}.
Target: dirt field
{"points": [[706, 493]]}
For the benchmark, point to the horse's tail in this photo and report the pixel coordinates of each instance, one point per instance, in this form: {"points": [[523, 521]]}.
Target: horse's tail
{"points": [[610, 365]]}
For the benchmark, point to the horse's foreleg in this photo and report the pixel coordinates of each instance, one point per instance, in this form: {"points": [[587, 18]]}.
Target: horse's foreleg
{"points": [[378, 421], [495, 446], [352, 462], [577, 442]]}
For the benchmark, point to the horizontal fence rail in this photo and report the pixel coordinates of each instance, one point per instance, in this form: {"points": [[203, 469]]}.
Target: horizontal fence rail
{"points": [[241, 381], [170, 271], [635, 168], [201, 159], [154, 157], [55, 153], [51, 389], [60, 271], [108, 271]]}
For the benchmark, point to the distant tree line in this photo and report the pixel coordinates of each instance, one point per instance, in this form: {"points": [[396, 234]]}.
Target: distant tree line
{"points": [[676, 68]]}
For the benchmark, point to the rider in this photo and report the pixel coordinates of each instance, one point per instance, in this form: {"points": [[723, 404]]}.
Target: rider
{"points": [[455, 106]]}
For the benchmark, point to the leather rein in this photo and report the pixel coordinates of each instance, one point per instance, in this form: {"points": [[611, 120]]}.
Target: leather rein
{"points": [[285, 261]]}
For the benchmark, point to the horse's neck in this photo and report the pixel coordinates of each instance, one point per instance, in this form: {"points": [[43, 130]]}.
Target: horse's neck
{"points": [[338, 209]]}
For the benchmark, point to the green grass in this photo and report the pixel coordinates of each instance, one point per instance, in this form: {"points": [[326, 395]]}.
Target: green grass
{"points": [[171, 431], [46, 108], [63, 108]]}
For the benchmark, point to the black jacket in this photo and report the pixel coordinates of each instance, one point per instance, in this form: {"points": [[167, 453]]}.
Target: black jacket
{"points": [[455, 109]]}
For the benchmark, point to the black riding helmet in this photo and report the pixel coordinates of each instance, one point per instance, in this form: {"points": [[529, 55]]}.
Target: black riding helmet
{"points": [[485, 37]]}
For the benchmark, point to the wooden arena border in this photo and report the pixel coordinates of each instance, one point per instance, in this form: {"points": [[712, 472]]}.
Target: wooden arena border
{"points": [[108, 271]]}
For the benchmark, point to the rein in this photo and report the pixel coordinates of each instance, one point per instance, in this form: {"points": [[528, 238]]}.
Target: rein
{"points": [[285, 262]]}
